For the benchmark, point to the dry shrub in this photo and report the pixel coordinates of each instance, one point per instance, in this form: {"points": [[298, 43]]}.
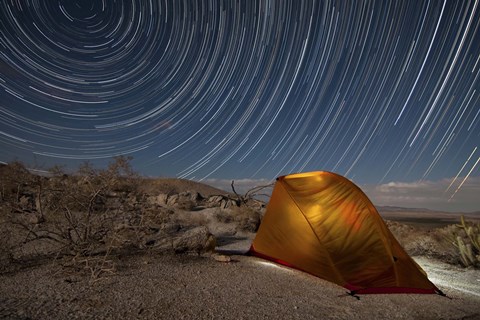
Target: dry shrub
{"points": [[194, 219], [431, 246], [422, 242], [224, 215], [246, 218], [6, 247], [85, 219], [95, 267], [70, 213], [140, 230], [405, 234]]}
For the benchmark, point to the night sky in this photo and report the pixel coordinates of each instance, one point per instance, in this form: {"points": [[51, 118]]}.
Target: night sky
{"points": [[385, 93]]}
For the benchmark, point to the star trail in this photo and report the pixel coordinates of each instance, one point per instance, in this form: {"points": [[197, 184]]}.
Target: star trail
{"points": [[383, 92]]}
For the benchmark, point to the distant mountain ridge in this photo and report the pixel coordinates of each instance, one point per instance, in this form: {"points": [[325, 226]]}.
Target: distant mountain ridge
{"points": [[397, 209], [391, 209]]}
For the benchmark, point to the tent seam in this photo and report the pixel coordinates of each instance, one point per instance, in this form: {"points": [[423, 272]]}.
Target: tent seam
{"points": [[313, 230]]}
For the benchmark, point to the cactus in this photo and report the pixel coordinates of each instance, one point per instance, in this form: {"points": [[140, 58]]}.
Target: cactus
{"points": [[466, 238], [466, 252]]}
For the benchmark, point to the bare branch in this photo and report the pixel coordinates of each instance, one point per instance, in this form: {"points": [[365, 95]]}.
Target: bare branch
{"points": [[239, 197], [250, 194]]}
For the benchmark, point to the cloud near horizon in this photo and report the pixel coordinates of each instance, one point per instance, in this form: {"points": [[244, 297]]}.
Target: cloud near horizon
{"points": [[428, 194], [418, 194]]}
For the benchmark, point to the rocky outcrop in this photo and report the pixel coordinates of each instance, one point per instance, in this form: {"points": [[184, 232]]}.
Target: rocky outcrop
{"points": [[192, 200], [221, 201]]}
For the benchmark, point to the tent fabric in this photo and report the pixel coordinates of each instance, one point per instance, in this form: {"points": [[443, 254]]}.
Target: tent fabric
{"points": [[323, 224]]}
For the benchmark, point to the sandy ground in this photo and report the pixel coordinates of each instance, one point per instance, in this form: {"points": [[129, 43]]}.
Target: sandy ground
{"points": [[197, 287]]}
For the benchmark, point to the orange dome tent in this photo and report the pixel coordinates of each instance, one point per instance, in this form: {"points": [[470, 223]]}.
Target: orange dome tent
{"points": [[323, 224]]}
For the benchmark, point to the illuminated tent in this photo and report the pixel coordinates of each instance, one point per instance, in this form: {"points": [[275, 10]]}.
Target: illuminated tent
{"points": [[323, 224]]}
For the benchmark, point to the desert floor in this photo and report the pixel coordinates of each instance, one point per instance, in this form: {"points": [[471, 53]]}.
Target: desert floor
{"points": [[200, 287]]}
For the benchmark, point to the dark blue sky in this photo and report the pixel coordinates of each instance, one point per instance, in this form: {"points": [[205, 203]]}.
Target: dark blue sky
{"points": [[383, 92]]}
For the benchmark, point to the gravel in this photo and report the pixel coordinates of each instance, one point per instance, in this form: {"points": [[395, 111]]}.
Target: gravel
{"points": [[200, 287]]}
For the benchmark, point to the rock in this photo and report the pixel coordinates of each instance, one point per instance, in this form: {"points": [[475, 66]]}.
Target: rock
{"points": [[27, 202], [172, 200], [191, 195], [35, 218], [197, 240], [161, 243], [222, 258], [112, 194], [171, 227], [228, 203], [215, 199], [220, 201], [187, 200], [160, 200]]}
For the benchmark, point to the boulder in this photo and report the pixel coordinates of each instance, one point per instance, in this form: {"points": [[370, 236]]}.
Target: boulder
{"points": [[27, 202], [227, 203], [215, 199], [191, 195], [160, 200], [171, 227], [172, 200], [198, 240]]}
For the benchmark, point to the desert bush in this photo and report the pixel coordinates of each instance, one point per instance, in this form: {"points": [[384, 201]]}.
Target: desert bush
{"points": [[6, 246], [145, 228], [72, 211], [86, 220], [465, 237], [224, 215], [421, 242], [246, 218], [15, 177], [18, 187]]}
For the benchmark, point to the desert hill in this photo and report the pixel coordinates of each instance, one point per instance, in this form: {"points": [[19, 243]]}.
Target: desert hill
{"points": [[175, 186]]}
